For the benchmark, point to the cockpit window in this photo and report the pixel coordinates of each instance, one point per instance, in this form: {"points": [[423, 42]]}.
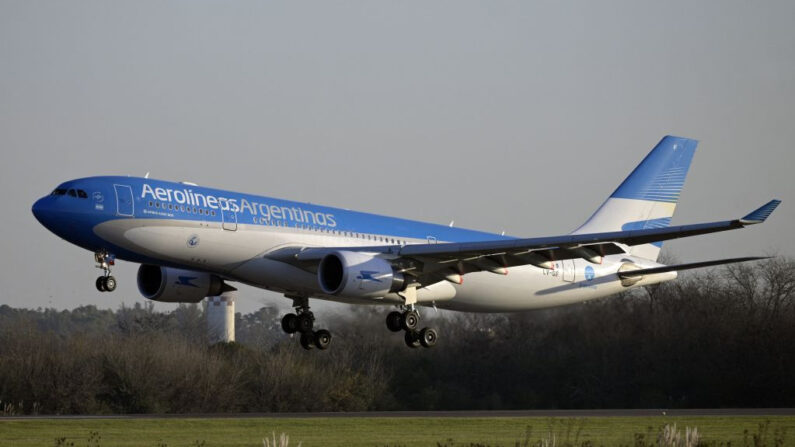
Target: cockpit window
{"points": [[72, 193], [58, 192], [82, 194]]}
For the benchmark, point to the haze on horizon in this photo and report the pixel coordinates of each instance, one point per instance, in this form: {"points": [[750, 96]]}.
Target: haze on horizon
{"points": [[503, 116]]}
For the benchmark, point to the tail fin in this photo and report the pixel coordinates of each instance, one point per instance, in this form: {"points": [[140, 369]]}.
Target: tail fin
{"points": [[647, 198]]}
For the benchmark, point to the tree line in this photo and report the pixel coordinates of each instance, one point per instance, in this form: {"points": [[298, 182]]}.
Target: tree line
{"points": [[716, 338]]}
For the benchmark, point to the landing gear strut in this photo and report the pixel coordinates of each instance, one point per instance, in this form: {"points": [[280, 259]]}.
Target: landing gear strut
{"points": [[104, 260], [408, 321], [302, 322]]}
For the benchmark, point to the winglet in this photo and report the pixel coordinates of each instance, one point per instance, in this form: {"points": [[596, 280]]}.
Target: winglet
{"points": [[761, 214]]}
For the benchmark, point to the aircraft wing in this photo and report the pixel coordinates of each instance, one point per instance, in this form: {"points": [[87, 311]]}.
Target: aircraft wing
{"points": [[430, 263]]}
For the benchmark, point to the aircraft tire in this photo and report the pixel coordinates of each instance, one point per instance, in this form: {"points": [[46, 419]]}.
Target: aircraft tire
{"points": [[307, 341], [101, 284], [110, 283], [322, 339], [305, 323], [428, 337], [394, 321], [290, 323], [411, 319], [412, 339]]}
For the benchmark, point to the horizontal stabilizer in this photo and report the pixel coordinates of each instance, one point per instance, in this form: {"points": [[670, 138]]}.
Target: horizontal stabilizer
{"points": [[761, 214], [694, 265]]}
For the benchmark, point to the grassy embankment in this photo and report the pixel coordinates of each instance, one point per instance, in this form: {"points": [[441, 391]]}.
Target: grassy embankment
{"points": [[611, 431]]}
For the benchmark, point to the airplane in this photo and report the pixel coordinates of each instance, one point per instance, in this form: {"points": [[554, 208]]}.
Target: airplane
{"points": [[192, 241]]}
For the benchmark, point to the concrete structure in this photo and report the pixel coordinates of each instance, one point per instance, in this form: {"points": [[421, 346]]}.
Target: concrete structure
{"points": [[220, 312]]}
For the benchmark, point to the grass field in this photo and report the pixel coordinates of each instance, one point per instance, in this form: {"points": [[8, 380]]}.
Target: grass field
{"points": [[464, 431]]}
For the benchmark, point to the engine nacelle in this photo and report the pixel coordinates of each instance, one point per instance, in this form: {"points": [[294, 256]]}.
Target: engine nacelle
{"points": [[175, 285], [359, 275]]}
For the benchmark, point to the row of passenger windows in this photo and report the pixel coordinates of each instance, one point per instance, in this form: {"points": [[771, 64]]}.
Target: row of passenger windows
{"points": [[350, 234], [278, 223], [181, 208], [71, 192]]}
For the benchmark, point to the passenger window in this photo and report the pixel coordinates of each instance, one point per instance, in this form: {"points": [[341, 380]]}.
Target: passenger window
{"points": [[72, 193], [82, 194]]}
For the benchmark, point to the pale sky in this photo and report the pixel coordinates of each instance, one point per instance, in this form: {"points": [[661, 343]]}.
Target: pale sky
{"points": [[515, 116]]}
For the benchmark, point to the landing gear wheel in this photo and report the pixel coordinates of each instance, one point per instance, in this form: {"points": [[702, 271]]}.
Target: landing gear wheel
{"points": [[105, 261], [290, 323], [322, 339], [305, 323], [411, 318], [109, 283], [394, 321], [428, 337], [412, 339], [307, 340]]}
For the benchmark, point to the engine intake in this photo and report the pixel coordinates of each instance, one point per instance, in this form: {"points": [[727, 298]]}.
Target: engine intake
{"points": [[358, 275], [171, 285]]}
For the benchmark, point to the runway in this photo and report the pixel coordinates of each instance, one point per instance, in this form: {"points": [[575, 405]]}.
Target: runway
{"points": [[447, 414]]}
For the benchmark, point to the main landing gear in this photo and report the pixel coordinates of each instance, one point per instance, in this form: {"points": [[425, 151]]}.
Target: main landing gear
{"points": [[106, 282], [303, 321], [409, 321]]}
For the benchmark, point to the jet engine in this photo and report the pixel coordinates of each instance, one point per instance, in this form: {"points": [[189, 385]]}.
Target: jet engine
{"points": [[359, 275], [171, 285]]}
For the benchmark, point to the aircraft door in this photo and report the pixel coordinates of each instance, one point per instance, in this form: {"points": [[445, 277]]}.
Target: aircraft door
{"points": [[568, 270], [124, 200], [229, 220]]}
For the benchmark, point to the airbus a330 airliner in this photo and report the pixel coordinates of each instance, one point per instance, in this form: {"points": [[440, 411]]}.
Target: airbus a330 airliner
{"points": [[191, 241]]}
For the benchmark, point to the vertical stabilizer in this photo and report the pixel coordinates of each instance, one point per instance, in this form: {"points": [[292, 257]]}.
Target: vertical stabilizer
{"points": [[647, 198]]}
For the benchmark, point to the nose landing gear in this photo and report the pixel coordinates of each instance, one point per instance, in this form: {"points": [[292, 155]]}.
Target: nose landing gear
{"points": [[303, 321], [104, 260], [408, 321]]}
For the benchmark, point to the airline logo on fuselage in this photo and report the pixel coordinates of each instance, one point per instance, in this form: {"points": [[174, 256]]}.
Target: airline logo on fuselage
{"points": [[263, 211]]}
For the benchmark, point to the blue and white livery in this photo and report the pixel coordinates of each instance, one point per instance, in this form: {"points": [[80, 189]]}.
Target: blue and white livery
{"points": [[193, 241]]}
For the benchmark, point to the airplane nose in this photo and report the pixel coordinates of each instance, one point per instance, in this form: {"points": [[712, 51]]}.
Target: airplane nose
{"points": [[43, 212], [37, 208]]}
